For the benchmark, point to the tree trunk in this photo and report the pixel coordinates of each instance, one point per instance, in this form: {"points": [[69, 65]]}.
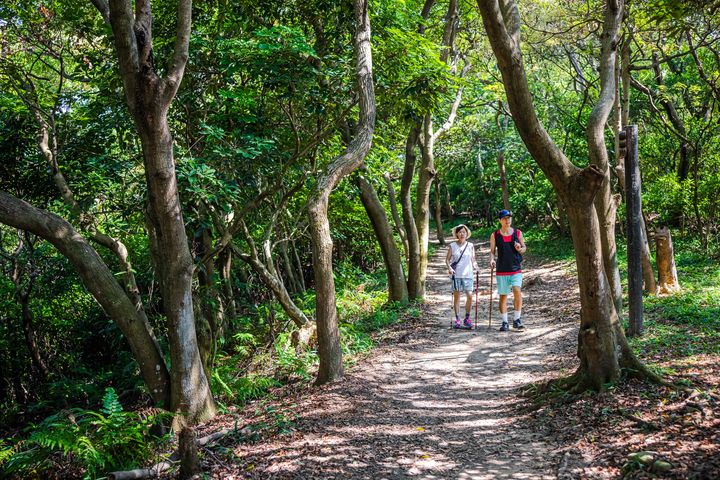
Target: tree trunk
{"points": [[622, 117], [288, 267], [426, 175], [503, 180], [427, 172], [276, 285], [225, 261], [437, 211], [101, 284], [602, 347], [149, 97], [208, 304], [665, 256], [300, 270], [331, 368], [605, 203], [413, 259], [395, 215], [397, 286], [29, 331], [447, 208]]}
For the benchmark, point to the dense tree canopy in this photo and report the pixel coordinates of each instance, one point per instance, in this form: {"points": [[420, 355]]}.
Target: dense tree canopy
{"points": [[188, 191]]}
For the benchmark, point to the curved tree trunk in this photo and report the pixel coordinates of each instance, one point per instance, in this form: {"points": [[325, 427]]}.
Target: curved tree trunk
{"points": [[149, 97], [605, 203], [331, 368], [437, 211], [397, 286], [426, 175], [272, 280], [429, 136], [101, 284], [602, 347], [395, 215], [413, 259]]}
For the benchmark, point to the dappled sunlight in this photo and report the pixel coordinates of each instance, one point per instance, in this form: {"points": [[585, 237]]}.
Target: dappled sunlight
{"points": [[447, 407]]}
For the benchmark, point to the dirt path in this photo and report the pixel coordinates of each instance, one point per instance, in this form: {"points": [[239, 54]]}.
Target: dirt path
{"points": [[440, 404]]}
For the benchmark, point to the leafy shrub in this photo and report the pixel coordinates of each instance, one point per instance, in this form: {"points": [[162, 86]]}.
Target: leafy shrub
{"points": [[239, 389], [94, 441]]}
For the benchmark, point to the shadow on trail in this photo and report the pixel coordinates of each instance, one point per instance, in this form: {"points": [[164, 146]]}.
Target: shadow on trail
{"points": [[446, 405]]}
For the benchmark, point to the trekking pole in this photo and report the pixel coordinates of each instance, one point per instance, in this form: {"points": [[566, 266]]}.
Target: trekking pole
{"points": [[491, 295], [477, 288], [452, 302]]}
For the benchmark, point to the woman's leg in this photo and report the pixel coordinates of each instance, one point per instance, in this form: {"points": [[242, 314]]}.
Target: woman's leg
{"points": [[456, 303]]}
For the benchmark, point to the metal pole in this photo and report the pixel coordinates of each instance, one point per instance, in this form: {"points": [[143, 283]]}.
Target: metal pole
{"points": [[477, 288]]}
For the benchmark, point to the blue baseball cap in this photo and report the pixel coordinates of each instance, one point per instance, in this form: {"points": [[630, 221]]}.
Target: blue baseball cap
{"points": [[504, 213]]}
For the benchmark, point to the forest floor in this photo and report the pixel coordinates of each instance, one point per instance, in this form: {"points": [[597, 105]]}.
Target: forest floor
{"points": [[432, 402]]}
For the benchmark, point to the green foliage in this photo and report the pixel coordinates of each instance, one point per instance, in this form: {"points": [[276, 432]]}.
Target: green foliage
{"points": [[548, 244], [291, 363], [96, 441], [239, 389], [686, 323]]}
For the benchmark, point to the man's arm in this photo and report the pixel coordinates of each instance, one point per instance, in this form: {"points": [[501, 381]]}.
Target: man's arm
{"points": [[520, 244]]}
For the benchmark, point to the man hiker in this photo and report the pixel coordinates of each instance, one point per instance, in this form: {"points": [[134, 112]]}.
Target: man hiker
{"points": [[509, 244], [461, 264]]}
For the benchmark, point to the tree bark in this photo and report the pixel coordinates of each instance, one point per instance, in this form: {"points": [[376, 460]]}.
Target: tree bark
{"points": [[503, 180], [396, 216], [273, 281], [602, 347], [437, 211], [331, 368], [149, 97], [426, 175], [665, 255], [605, 203], [622, 106], [413, 258], [397, 286], [100, 282], [427, 172]]}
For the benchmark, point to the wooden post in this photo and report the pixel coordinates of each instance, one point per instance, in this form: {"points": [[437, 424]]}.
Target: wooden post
{"points": [[634, 231]]}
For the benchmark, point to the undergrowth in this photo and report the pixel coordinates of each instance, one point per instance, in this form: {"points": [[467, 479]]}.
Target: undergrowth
{"points": [[87, 443]]}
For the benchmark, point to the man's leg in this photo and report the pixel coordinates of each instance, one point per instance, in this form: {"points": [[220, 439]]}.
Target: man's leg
{"points": [[517, 303], [503, 312], [517, 299]]}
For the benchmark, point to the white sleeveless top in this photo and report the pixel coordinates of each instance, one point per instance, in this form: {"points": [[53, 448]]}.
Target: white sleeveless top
{"points": [[464, 269]]}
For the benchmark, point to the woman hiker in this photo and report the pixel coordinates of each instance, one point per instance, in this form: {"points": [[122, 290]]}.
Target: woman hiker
{"points": [[510, 246], [461, 264]]}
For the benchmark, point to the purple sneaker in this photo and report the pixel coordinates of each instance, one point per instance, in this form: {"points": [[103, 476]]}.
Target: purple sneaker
{"points": [[467, 322], [457, 322]]}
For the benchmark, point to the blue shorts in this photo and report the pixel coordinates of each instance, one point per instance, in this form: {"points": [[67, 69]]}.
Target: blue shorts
{"points": [[463, 285], [504, 282]]}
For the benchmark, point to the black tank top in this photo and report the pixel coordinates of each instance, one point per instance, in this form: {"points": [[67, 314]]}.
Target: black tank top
{"points": [[509, 260]]}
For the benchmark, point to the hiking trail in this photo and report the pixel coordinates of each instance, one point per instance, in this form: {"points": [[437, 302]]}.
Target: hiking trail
{"points": [[437, 402]]}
